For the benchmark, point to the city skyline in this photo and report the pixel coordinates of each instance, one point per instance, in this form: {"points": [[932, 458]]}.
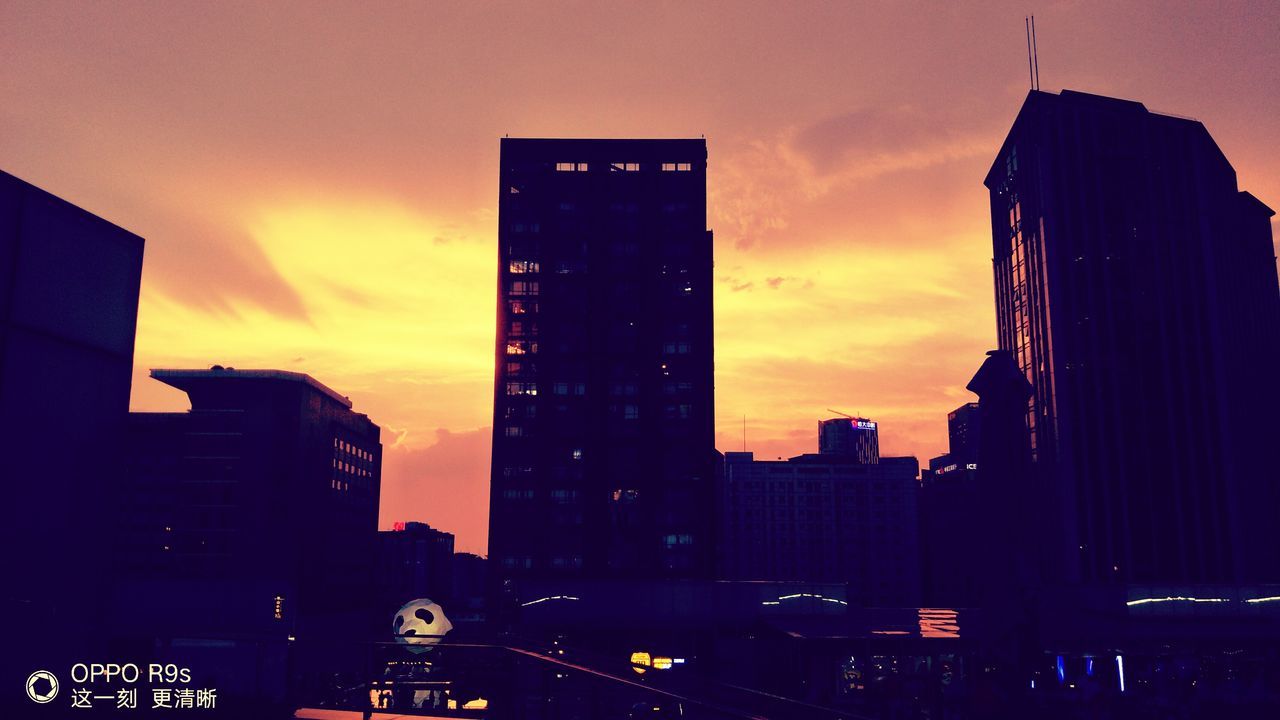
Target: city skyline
{"points": [[816, 200]]}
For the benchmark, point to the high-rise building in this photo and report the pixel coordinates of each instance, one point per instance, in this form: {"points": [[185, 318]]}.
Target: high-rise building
{"points": [[250, 520], [603, 434], [823, 518], [852, 437], [68, 310], [949, 505], [1136, 288], [415, 561]]}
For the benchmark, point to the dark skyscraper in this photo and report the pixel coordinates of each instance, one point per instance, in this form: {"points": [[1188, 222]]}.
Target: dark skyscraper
{"points": [[949, 504], [857, 438], [1136, 289], [254, 516], [603, 433], [68, 309]]}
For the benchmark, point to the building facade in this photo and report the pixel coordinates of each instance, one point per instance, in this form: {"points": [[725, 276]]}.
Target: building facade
{"points": [[603, 444], [252, 520], [415, 561], [823, 518], [857, 438], [949, 504], [68, 311], [1136, 289]]}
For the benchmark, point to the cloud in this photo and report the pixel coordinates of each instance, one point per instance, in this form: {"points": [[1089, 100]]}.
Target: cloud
{"points": [[445, 484]]}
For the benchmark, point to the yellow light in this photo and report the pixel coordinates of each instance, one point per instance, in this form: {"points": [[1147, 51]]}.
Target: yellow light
{"points": [[640, 658], [477, 704], [662, 663]]}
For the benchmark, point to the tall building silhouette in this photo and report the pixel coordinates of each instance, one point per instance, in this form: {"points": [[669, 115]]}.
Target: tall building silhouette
{"points": [[254, 515], [603, 435], [949, 504], [1136, 290], [68, 310]]}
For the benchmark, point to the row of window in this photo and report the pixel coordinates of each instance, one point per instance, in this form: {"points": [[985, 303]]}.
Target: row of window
{"points": [[620, 167]]}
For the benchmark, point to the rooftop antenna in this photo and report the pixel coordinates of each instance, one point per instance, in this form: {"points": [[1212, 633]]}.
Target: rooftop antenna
{"points": [[1035, 52], [1031, 74]]}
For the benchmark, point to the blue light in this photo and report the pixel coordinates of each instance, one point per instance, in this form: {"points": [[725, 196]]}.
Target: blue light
{"points": [[1088, 666], [1062, 670], [1120, 671]]}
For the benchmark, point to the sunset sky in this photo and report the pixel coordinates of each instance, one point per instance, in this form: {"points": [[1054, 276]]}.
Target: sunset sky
{"points": [[317, 184]]}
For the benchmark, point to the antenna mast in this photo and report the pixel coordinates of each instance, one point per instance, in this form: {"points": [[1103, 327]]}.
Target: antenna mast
{"points": [[1035, 52], [1031, 75]]}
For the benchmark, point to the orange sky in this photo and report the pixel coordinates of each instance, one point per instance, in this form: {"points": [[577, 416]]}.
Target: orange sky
{"points": [[317, 184]]}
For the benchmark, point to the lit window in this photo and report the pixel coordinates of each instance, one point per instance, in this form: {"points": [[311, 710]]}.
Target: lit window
{"points": [[576, 453], [523, 307], [522, 347], [520, 267], [524, 287], [684, 167], [513, 431], [668, 167], [522, 388], [624, 167], [571, 167], [513, 190]]}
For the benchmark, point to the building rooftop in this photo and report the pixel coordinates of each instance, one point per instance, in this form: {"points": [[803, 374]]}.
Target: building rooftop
{"points": [[185, 379]]}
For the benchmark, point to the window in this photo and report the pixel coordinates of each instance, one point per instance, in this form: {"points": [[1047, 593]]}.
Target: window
{"points": [[674, 540], [522, 347], [624, 167], [676, 348], [519, 328], [623, 389], [576, 453], [564, 496], [571, 167], [514, 431], [677, 167], [522, 388], [520, 267], [522, 307], [524, 287]]}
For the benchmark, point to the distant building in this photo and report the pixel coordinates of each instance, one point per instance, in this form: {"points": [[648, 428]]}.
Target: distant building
{"points": [[68, 309], [470, 588], [414, 561], [251, 519], [603, 436], [949, 507], [855, 438], [1136, 289], [823, 518]]}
